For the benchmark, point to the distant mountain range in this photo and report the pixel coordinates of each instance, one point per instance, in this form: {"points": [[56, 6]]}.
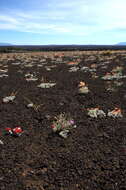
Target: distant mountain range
{"points": [[118, 44], [121, 44], [5, 44]]}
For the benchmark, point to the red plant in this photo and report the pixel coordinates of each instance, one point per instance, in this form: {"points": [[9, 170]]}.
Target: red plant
{"points": [[17, 130]]}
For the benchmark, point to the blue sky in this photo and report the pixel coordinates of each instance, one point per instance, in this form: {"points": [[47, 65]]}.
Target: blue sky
{"points": [[37, 22]]}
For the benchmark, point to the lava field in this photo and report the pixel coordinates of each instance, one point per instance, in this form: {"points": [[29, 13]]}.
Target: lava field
{"points": [[38, 149]]}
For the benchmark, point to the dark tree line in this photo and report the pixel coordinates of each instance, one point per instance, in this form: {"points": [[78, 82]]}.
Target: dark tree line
{"points": [[15, 49]]}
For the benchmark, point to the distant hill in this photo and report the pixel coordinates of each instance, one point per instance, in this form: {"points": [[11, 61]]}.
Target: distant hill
{"points": [[5, 44], [121, 44]]}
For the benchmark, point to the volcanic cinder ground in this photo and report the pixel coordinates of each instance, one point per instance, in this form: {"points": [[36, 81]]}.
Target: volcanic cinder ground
{"points": [[93, 156]]}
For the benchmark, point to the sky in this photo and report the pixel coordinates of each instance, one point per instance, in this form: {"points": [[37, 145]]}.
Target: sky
{"points": [[40, 22]]}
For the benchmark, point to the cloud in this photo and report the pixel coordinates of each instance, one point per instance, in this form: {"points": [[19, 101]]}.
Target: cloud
{"points": [[7, 26], [71, 17], [9, 19]]}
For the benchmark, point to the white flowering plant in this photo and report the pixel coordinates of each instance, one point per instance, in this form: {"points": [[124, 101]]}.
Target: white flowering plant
{"points": [[62, 125]]}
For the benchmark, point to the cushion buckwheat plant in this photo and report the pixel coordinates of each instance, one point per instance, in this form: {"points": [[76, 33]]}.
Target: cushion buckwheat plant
{"points": [[83, 88], [96, 112], [46, 85], [62, 125], [116, 113]]}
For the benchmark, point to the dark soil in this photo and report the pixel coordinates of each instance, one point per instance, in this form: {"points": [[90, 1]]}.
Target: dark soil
{"points": [[93, 157]]}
